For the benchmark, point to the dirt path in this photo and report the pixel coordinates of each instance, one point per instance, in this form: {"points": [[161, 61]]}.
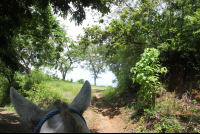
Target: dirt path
{"points": [[102, 117], [11, 123]]}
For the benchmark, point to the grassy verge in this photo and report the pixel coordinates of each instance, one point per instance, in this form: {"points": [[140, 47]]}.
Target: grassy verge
{"points": [[110, 94], [66, 92]]}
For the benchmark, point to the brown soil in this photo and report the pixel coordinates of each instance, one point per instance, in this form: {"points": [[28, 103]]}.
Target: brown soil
{"points": [[11, 123], [101, 117]]}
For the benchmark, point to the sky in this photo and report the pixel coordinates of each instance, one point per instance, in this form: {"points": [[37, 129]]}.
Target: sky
{"points": [[78, 73]]}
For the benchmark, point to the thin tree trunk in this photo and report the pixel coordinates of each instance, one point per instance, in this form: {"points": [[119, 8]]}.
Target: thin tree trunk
{"points": [[153, 100], [27, 63], [64, 74], [95, 81], [28, 70]]}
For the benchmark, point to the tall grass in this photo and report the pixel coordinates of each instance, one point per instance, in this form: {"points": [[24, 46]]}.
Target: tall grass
{"points": [[65, 90], [68, 90], [109, 93]]}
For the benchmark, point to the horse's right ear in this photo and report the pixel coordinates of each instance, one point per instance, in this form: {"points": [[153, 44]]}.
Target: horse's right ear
{"points": [[82, 100]]}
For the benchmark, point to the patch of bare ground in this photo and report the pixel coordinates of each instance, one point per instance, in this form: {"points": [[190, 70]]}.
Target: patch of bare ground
{"points": [[11, 123], [103, 117]]}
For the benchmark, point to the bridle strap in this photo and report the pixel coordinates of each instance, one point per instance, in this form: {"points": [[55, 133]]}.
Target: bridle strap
{"points": [[74, 111], [52, 114]]}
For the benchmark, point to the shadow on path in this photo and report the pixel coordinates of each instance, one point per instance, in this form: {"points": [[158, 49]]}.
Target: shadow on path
{"points": [[102, 106], [11, 123]]}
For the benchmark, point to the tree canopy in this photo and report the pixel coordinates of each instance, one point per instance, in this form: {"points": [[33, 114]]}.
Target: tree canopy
{"points": [[171, 26], [19, 15]]}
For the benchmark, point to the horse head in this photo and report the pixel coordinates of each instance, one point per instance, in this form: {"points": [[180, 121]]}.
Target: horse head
{"points": [[59, 118]]}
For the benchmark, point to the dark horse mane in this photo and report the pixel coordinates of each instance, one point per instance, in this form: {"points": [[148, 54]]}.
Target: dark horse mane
{"points": [[68, 119]]}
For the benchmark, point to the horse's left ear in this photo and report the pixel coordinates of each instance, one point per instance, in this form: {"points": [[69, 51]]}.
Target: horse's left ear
{"points": [[26, 109], [82, 100]]}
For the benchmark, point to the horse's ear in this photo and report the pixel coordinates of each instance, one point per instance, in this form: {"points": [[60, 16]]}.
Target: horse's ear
{"points": [[82, 100], [26, 109]]}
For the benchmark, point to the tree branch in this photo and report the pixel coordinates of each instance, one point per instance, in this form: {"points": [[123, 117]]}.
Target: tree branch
{"points": [[128, 6], [154, 27]]}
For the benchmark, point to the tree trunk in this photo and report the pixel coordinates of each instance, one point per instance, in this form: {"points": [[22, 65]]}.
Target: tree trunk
{"points": [[153, 100], [64, 75], [95, 81], [28, 70]]}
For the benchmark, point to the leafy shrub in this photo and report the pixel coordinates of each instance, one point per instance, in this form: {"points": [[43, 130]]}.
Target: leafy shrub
{"points": [[4, 92], [71, 80], [5, 88], [160, 124], [109, 93], [146, 73], [27, 81], [48, 75], [167, 125], [42, 96], [80, 81]]}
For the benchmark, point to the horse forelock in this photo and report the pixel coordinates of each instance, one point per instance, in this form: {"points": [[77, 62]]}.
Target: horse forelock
{"points": [[70, 123]]}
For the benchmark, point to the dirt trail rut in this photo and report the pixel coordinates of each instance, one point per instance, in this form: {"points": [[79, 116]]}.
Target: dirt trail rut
{"points": [[102, 117]]}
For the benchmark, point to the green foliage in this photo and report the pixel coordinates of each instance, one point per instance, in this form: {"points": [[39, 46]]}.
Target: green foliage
{"points": [[146, 73], [81, 81], [10, 107], [4, 87], [109, 93], [27, 81], [168, 125], [93, 54], [71, 80], [173, 29], [42, 96], [169, 116], [26, 16], [68, 90]]}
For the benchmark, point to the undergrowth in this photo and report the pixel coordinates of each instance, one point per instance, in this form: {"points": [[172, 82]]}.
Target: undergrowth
{"points": [[110, 93], [169, 116]]}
